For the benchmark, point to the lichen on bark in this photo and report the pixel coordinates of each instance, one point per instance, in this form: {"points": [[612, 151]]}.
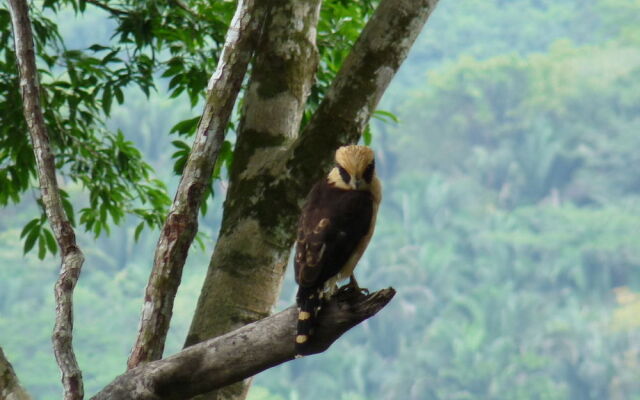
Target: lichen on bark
{"points": [[243, 281], [273, 171]]}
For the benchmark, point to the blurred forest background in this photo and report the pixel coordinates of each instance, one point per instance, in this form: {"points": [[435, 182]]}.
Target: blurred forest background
{"points": [[510, 225]]}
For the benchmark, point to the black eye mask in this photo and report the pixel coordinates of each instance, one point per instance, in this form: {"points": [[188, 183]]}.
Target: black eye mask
{"points": [[344, 175], [368, 173]]}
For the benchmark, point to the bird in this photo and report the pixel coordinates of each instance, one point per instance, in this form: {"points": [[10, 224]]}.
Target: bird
{"points": [[335, 226]]}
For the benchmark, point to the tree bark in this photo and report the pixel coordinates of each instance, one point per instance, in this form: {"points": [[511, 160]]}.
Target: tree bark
{"points": [[10, 388], [181, 225], [241, 353], [72, 257], [272, 175], [247, 266]]}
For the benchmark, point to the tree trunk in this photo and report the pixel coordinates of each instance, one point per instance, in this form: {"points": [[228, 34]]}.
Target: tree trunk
{"points": [[247, 266], [10, 388], [272, 174], [70, 254]]}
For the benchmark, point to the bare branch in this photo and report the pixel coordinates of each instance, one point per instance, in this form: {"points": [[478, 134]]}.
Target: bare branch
{"points": [[180, 4], [107, 7], [120, 12], [72, 258], [182, 222], [9, 386], [242, 353]]}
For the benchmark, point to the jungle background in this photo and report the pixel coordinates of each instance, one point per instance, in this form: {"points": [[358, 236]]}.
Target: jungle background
{"points": [[510, 224]]}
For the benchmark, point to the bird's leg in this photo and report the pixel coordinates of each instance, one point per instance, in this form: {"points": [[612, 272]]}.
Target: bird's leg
{"points": [[329, 291], [353, 285]]}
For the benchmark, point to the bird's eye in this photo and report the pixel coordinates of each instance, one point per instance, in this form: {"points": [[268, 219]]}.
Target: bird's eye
{"points": [[344, 174], [368, 172]]}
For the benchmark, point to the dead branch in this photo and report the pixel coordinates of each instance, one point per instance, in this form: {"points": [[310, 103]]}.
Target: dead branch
{"points": [[72, 258], [242, 353]]}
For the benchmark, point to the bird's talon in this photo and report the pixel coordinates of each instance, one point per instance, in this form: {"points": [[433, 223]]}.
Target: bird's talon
{"points": [[345, 289]]}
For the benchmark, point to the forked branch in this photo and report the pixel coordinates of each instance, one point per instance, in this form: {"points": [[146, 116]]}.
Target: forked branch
{"points": [[72, 258], [242, 353]]}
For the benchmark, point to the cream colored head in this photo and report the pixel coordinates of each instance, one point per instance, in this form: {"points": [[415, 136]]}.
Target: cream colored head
{"points": [[355, 168]]}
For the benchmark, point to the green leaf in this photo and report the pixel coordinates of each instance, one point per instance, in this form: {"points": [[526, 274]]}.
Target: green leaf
{"points": [[119, 95], [186, 127], [42, 247], [385, 116], [33, 224], [139, 228], [31, 240], [181, 145], [51, 241], [366, 135], [97, 47], [199, 241], [68, 207], [106, 99], [225, 158]]}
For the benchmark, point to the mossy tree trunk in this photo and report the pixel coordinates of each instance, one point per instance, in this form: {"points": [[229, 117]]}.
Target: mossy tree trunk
{"points": [[248, 264], [274, 168]]}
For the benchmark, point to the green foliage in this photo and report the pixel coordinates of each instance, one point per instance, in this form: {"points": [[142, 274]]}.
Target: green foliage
{"points": [[34, 232], [79, 88], [339, 26], [529, 107], [173, 42]]}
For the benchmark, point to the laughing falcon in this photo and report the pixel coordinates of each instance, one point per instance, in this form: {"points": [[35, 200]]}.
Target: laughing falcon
{"points": [[334, 229]]}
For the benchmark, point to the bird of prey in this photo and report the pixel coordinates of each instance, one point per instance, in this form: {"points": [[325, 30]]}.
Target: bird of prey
{"points": [[334, 229]]}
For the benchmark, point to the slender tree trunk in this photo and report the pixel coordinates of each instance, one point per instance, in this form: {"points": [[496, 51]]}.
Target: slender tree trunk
{"points": [[182, 222], [247, 266], [71, 256]]}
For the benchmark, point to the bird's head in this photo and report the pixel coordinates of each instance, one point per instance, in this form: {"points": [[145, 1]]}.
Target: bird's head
{"points": [[355, 168]]}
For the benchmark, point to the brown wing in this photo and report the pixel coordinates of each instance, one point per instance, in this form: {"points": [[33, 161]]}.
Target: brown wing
{"points": [[331, 225]]}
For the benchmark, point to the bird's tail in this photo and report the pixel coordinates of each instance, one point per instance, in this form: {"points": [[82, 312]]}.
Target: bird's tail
{"points": [[308, 300]]}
